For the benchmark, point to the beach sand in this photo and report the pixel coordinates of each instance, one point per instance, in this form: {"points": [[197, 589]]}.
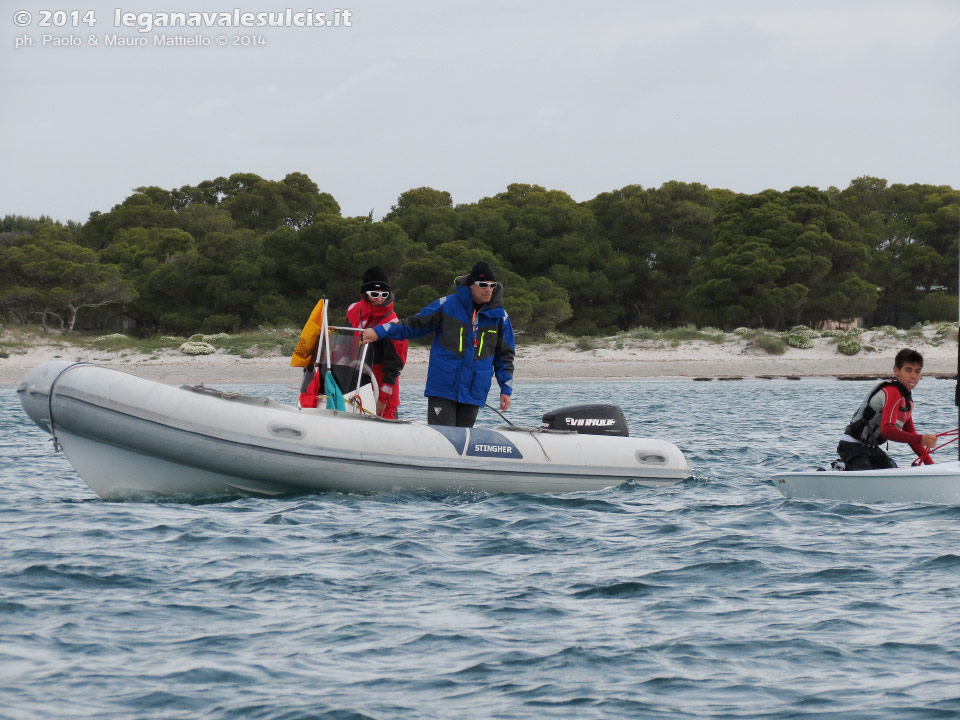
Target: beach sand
{"points": [[614, 358]]}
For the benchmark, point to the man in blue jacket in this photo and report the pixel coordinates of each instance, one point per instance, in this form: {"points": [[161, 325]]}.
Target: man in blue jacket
{"points": [[473, 342]]}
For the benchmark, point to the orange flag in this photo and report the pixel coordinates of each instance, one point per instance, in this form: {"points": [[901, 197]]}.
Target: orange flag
{"points": [[309, 338]]}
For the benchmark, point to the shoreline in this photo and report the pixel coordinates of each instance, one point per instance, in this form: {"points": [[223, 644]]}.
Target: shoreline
{"points": [[630, 360]]}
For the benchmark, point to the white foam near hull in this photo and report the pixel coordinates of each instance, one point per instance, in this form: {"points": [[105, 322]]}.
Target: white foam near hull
{"points": [[129, 438], [938, 483]]}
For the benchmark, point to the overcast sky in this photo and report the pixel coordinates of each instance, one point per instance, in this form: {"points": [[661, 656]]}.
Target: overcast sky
{"points": [[469, 97]]}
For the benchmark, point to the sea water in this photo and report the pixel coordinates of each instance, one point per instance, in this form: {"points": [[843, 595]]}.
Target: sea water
{"points": [[713, 598]]}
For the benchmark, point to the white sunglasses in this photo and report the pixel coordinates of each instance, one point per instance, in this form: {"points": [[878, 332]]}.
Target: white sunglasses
{"points": [[377, 294]]}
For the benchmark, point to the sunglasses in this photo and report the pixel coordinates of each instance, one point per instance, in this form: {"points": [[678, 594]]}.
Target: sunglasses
{"points": [[377, 294], [483, 284]]}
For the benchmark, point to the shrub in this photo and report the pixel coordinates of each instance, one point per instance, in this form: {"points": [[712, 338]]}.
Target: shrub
{"points": [[179, 322], [642, 333], [586, 343], [832, 333], [112, 338], [287, 346], [848, 347], [770, 344], [887, 329], [803, 332], [742, 331], [798, 341], [114, 341], [214, 338], [197, 348], [854, 331], [220, 323]]}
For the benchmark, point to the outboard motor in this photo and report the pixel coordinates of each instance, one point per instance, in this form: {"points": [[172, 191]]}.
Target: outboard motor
{"points": [[593, 419]]}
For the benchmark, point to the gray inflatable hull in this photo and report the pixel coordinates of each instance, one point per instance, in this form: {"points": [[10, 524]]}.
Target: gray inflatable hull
{"points": [[131, 438]]}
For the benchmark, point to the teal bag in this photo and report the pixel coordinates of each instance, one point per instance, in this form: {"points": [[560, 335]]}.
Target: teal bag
{"points": [[332, 391]]}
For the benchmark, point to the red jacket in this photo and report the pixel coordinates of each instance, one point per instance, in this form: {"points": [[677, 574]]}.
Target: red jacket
{"points": [[389, 356], [896, 423]]}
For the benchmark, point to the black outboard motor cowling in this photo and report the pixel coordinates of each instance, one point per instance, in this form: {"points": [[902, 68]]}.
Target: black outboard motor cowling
{"points": [[593, 419]]}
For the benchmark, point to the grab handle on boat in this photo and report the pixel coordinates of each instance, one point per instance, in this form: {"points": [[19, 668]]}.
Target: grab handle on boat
{"points": [[286, 431], [651, 459]]}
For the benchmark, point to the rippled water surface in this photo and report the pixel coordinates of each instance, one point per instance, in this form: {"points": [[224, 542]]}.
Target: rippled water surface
{"points": [[714, 598]]}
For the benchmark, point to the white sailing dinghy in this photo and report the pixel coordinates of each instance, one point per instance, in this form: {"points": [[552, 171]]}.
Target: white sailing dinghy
{"points": [[938, 483]]}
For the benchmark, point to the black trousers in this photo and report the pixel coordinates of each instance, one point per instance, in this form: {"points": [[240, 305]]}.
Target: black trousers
{"points": [[441, 411], [860, 457]]}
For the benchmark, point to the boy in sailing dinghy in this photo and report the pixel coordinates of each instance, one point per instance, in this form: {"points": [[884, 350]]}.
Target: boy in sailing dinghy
{"points": [[886, 415]]}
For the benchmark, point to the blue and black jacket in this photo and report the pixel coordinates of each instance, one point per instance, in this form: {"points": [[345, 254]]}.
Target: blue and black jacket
{"points": [[468, 349]]}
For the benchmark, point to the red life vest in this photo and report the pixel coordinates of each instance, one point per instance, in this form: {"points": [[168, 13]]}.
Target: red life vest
{"points": [[364, 314]]}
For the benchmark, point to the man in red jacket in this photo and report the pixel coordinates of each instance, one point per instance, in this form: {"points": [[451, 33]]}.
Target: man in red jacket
{"points": [[389, 356], [886, 415]]}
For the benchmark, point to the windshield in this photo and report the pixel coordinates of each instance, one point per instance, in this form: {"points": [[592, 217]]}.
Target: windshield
{"points": [[345, 353]]}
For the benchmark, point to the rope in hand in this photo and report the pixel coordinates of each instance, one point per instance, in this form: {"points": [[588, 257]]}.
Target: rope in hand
{"points": [[948, 433], [490, 407]]}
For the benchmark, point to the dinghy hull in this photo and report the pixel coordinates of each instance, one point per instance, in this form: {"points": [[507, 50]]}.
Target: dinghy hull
{"points": [[938, 483]]}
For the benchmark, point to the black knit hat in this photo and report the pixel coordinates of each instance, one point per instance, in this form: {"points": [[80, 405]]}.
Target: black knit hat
{"points": [[481, 271], [375, 279]]}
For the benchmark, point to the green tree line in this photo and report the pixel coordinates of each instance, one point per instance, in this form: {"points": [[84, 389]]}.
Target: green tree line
{"points": [[242, 251]]}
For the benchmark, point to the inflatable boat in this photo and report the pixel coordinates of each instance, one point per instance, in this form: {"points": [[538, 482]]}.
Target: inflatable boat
{"points": [[131, 438], [938, 483]]}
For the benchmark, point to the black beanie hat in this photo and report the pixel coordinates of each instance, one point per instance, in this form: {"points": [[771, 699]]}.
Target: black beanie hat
{"points": [[375, 279], [480, 271]]}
